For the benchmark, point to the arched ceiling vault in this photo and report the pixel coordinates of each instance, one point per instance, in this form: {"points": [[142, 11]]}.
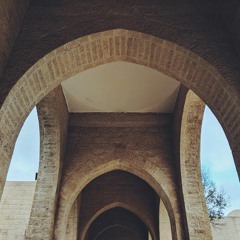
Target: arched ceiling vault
{"points": [[121, 87]]}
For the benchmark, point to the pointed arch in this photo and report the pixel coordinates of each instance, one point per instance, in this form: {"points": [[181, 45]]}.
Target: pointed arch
{"points": [[117, 45], [114, 205], [146, 170]]}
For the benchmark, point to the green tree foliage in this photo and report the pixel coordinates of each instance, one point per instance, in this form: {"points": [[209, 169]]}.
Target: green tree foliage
{"points": [[216, 199]]}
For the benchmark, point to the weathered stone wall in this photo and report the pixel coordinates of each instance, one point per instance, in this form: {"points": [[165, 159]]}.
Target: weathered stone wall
{"points": [[11, 16], [228, 227], [15, 207]]}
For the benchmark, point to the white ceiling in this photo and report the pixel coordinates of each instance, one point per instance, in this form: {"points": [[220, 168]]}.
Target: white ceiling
{"points": [[120, 87]]}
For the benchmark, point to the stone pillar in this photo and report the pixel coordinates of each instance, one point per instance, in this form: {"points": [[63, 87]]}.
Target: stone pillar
{"points": [[53, 120], [73, 220], [164, 223], [198, 223]]}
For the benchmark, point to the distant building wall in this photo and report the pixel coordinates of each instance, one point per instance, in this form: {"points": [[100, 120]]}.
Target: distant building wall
{"points": [[15, 207], [228, 228]]}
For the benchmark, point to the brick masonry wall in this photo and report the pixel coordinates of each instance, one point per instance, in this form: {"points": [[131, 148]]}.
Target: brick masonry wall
{"points": [[15, 207]]}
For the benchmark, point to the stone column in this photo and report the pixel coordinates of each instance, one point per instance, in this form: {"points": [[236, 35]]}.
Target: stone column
{"points": [[73, 220], [164, 223], [53, 120], [198, 223]]}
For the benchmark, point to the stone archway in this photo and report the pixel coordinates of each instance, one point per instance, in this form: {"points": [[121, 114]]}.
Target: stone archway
{"points": [[118, 189], [121, 218], [117, 45], [115, 205], [157, 178], [53, 121]]}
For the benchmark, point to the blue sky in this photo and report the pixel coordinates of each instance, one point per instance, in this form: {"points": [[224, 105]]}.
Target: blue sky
{"points": [[25, 157], [215, 155]]}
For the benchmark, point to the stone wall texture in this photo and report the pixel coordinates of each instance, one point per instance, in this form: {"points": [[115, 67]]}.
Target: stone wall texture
{"points": [[11, 16], [15, 208]]}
